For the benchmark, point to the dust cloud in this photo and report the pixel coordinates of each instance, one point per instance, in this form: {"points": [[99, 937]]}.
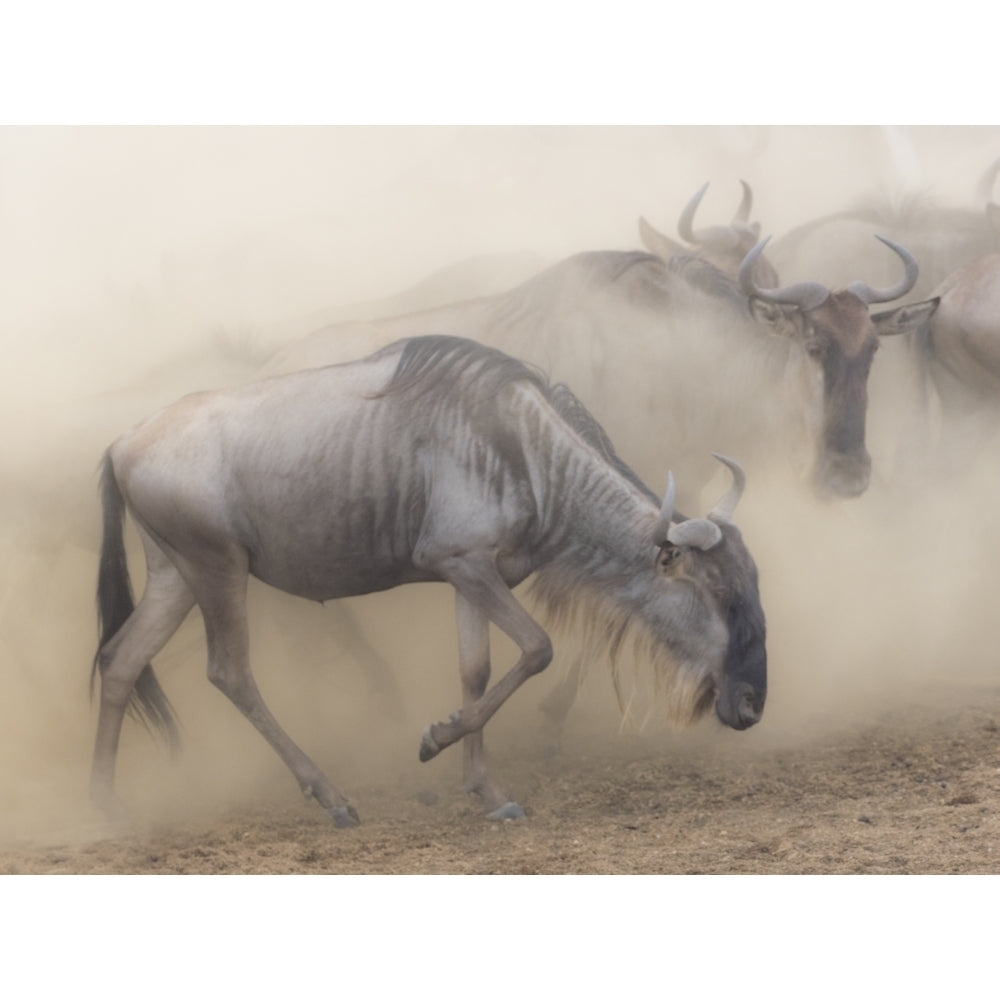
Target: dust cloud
{"points": [[139, 264]]}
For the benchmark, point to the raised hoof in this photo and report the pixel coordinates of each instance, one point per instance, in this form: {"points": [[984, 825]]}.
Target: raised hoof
{"points": [[343, 816], [509, 810], [428, 748]]}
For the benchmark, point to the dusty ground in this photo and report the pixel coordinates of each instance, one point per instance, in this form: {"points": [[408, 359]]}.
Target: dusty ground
{"points": [[912, 790]]}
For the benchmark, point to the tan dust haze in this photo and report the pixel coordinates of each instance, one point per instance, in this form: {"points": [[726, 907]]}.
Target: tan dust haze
{"points": [[139, 264]]}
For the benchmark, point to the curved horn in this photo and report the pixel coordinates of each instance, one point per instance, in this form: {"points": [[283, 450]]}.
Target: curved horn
{"points": [[662, 529], [984, 191], [684, 224], [806, 295], [870, 295], [726, 506], [746, 206], [719, 237]]}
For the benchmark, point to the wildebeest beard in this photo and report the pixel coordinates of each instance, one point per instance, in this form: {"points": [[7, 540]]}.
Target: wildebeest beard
{"points": [[686, 692]]}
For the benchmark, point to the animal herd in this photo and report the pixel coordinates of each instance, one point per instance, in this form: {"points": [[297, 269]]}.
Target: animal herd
{"points": [[471, 443]]}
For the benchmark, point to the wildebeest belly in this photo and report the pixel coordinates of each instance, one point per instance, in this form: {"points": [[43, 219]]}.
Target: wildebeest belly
{"points": [[328, 549], [325, 579]]}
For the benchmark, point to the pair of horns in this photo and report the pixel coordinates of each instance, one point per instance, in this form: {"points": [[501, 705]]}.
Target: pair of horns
{"points": [[720, 237], [701, 533], [810, 294]]}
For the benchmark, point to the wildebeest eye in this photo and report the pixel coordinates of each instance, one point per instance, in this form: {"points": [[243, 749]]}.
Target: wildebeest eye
{"points": [[667, 555], [816, 349]]}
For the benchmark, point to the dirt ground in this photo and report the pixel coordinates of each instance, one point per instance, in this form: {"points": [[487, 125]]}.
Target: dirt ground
{"points": [[912, 790]]}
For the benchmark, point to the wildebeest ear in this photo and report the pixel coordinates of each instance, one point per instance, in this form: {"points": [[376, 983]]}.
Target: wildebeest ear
{"points": [[654, 241], [904, 319]]}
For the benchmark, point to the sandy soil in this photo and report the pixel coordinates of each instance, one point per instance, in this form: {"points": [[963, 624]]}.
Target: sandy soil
{"points": [[914, 790]]}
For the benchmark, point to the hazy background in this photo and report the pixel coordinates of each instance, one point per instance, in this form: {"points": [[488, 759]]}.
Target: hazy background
{"points": [[140, 263]]}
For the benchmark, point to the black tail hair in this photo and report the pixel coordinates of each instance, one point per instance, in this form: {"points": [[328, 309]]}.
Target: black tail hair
{"points": [[115, 603]]}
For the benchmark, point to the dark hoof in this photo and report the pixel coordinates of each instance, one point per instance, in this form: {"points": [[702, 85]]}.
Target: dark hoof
{"points": [[428, 748], [509, 810], [343, 816]]}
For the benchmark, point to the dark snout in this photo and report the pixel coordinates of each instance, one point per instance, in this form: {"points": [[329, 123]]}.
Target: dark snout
{"points": [[740, 705], [843, 475]]}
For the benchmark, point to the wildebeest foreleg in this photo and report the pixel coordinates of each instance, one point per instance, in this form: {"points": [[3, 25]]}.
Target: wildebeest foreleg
{"points": [[477, 580], [164, 605], [474, 668], [222, 598]]}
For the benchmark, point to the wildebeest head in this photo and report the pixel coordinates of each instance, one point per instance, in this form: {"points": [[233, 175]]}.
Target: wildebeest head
{"points": [[838, 339], [707, 564], [723, 246]]}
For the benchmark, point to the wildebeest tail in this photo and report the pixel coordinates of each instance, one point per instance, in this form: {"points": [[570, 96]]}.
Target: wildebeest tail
{"points": [[115, 603]]}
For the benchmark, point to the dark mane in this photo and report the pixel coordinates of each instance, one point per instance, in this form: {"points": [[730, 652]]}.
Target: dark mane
{"points": [[577, 416], [427, 362], [708, 278]]}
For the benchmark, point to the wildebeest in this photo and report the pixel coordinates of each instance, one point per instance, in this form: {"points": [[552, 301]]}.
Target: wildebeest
{"points": [[960, 342], [711, 360], [838, 340], [435, 459], [841, 245], [724, 247], [956, 350]]}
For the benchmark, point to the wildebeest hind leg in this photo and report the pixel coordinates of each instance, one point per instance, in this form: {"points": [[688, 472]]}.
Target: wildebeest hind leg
{"points": [[222, 598], [164, 605], [474, 668]]}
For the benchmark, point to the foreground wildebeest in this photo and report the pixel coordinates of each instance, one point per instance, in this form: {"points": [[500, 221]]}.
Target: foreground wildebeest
{"points": [[434, 459]]}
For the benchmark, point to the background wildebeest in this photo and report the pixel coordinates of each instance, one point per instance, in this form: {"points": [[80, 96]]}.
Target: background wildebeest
{"points": [[784, 366], [940, 237], [435, 459], [954, 349], [724, 247]]}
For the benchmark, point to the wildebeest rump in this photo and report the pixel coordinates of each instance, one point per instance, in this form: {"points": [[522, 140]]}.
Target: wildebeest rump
{"points": [[434, 459]]}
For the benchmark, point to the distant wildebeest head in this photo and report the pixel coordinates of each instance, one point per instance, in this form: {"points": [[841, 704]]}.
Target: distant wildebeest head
{"points": [[838, 339], [722, 246]]}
